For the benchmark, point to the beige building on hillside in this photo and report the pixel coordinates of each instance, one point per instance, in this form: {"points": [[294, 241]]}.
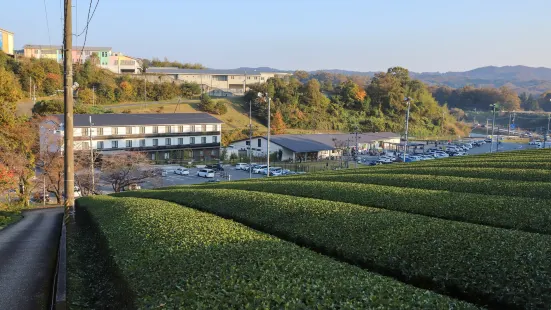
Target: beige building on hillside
{"points": [[214, 82], [6, 41]]}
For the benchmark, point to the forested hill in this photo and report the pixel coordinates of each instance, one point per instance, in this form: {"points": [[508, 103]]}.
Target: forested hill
{"points": [[521, 79]]}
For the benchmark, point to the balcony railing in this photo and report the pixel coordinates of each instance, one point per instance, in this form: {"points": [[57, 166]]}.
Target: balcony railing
{"points": [[148, 135], [163, 147]]}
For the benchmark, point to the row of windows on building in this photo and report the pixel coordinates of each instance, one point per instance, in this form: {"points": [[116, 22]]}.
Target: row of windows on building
{"points": [[249, 77], [141, 143], [129, 130]]}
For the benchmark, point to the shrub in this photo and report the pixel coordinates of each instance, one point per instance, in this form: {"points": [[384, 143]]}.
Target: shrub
{"points": [[176, 257], [496, 211], [491, 266]]}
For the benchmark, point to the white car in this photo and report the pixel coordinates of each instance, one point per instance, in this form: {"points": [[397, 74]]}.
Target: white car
{"points": [[259, 169], [441, 155], [384, 160], [240, 166], [276, 171], [182, 171], [535, 142], [205, 173]]}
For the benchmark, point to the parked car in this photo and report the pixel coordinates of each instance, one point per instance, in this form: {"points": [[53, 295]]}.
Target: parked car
{"points": [[275, 171], [215, 167], [131, 187], [441, 155], [384, 160], [205, 173], [488, 140], [534, 142], [240, 166], [164, 173], [258, 169], [182, 171], [248, 167]]}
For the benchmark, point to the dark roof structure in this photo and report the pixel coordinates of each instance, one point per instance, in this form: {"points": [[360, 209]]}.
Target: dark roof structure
{"points": [[323, 142], [82, 120]]}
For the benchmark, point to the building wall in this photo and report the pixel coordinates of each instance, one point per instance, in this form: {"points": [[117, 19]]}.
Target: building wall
{"points": [[215, 84], [106, 57], [260, 151], [126, 64], [6, 42]]}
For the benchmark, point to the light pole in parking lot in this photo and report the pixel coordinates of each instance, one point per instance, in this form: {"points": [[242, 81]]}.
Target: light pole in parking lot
{"points": [[494, 106], [408, 101], [266, 97]]}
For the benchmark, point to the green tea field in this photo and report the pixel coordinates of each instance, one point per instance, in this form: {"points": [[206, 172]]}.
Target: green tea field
{"points": [[457, 233]]}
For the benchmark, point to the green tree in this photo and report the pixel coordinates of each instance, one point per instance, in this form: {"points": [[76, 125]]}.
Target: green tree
{"points": [[190, 89], [10, 93]]}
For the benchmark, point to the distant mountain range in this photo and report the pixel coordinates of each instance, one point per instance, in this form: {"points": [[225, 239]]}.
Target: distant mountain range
{"points": [[520, 78]]}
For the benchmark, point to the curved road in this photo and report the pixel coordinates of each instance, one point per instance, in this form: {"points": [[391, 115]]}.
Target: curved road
{"points": [[28, 251]]}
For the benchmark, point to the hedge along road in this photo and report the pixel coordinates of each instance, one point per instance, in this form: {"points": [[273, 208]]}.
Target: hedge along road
{"points": [[28, 252]]}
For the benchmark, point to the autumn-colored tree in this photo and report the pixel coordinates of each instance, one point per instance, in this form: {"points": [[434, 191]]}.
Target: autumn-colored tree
{"points": [[127, 90], [8, 180], [10, 92], [52, 83], [86, 96], [278, 125]]}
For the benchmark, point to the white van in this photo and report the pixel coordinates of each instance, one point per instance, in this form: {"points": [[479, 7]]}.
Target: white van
{"points": [[205, 173], [241, 166]]}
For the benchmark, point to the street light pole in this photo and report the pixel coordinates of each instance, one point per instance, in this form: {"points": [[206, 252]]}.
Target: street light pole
{"points": [[408, 101], [547, 133], [92, 157], [250, 141], [268, 146], [493, 126]]}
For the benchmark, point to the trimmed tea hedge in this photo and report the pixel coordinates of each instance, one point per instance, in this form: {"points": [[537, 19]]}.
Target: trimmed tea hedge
{"points": [[540, 190], [528, 214], [496, 267], [176, 257], [530, 175]]}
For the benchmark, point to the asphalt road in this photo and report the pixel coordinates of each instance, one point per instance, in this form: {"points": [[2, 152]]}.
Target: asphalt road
{"points": [[28, 252]]}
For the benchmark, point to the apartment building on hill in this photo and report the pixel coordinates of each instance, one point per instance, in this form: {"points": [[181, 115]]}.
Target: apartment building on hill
{"points": [[112, 61]]}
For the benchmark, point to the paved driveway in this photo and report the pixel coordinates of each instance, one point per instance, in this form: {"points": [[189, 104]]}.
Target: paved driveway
{"points": [[28, 252]]}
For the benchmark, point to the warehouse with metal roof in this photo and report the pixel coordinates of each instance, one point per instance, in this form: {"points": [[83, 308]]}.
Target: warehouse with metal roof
{"points": [[313, 146]]}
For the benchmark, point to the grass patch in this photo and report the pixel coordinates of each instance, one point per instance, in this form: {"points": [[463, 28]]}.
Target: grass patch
{"points": [[9, 217]]}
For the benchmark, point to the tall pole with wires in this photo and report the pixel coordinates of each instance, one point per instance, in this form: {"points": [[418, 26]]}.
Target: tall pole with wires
{"points": [[268, 146], [68, 104], [547, 132], [493, 126], [250, 140], [92, 158], [408, 101]]}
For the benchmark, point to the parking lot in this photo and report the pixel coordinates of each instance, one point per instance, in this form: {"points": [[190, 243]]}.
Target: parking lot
{"points": [[172, 179]]}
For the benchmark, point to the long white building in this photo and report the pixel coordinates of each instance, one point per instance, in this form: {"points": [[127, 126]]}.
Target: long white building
{"points": [[212, 81], [162, 136]]}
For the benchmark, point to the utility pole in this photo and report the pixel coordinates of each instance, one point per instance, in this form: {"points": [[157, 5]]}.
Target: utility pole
{"points": [[356, 136], [30, 88], [43, 189], [94, 95], [487, 125], [268, 146], [144, 91], [493, 126], [509, 128], [34, 96], [547, 132], [92, 157], [408, 101], [68, 102], [250, 140]]}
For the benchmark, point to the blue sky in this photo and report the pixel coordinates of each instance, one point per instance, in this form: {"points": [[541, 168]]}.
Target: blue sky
{"points": [[368, 35]]}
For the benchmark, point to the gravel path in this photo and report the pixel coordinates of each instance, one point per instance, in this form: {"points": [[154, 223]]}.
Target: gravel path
{"points": [[28, 252]]}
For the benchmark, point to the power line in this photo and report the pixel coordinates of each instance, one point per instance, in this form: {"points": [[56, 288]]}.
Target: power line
{"points": [[47, 24], [88, 19]]}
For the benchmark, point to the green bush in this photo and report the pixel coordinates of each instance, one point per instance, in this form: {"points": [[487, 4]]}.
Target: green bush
{"points": [[175, 257], [497, 211], [529, 175], [540, 190], [496, 267]]}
